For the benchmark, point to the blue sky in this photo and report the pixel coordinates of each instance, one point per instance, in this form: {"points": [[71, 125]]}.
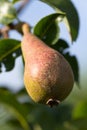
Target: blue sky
{"points": [[35, 11]]}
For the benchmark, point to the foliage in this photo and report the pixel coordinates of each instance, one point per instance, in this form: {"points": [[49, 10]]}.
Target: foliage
{"points": [[17, 111], [9, 52], [71, 15], [7, 12]]}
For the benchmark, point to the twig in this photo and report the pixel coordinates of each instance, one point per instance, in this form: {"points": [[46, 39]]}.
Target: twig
{"points": [[4, 32], [22, 6]]}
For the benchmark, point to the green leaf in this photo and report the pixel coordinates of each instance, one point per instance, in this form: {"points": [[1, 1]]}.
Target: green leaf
{"points": [[55, 116], [80, 124], [14, 107], [4, 0], [60, 46], [7, 12], [74, 65], [14, 1], [6, 118], [47, 28], [72, 19], [14, 123], [9, 51], [80, 110]]}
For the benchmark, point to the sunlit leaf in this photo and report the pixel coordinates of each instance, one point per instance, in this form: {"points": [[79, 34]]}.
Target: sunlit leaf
{"points": [[9, 51], [7, 12], [72, 19], [80, 110], [14, 1], [47, 28]]}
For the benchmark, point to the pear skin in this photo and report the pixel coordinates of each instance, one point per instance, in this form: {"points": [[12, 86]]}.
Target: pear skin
{"points": [[48, 77]]}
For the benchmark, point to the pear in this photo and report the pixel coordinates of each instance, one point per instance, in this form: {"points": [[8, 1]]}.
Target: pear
{"points": [[48, 77]]}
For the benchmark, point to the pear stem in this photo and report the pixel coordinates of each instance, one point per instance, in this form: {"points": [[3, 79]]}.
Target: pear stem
{"points": [[25, 28]]}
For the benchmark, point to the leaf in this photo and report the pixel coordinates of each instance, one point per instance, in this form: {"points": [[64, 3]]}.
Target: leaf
{"points": [[60, 46], [5, 116], [14, 107], [47, 28], [7, 12], [4, 0], [72, 19], [74, 65], [80, 124], [14, 1], [9, 51], [15, 124], [80, 110], [55, 116]]}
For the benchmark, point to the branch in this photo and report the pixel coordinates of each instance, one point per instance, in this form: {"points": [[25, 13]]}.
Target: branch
{"points": [[4, 32], [22, 6]]}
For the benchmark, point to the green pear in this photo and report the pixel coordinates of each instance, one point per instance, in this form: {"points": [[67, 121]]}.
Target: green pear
{"points": [[48, 77]]}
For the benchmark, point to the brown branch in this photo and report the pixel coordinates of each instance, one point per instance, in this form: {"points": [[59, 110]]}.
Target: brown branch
{"points": [[4, 32], [22, 5]]}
